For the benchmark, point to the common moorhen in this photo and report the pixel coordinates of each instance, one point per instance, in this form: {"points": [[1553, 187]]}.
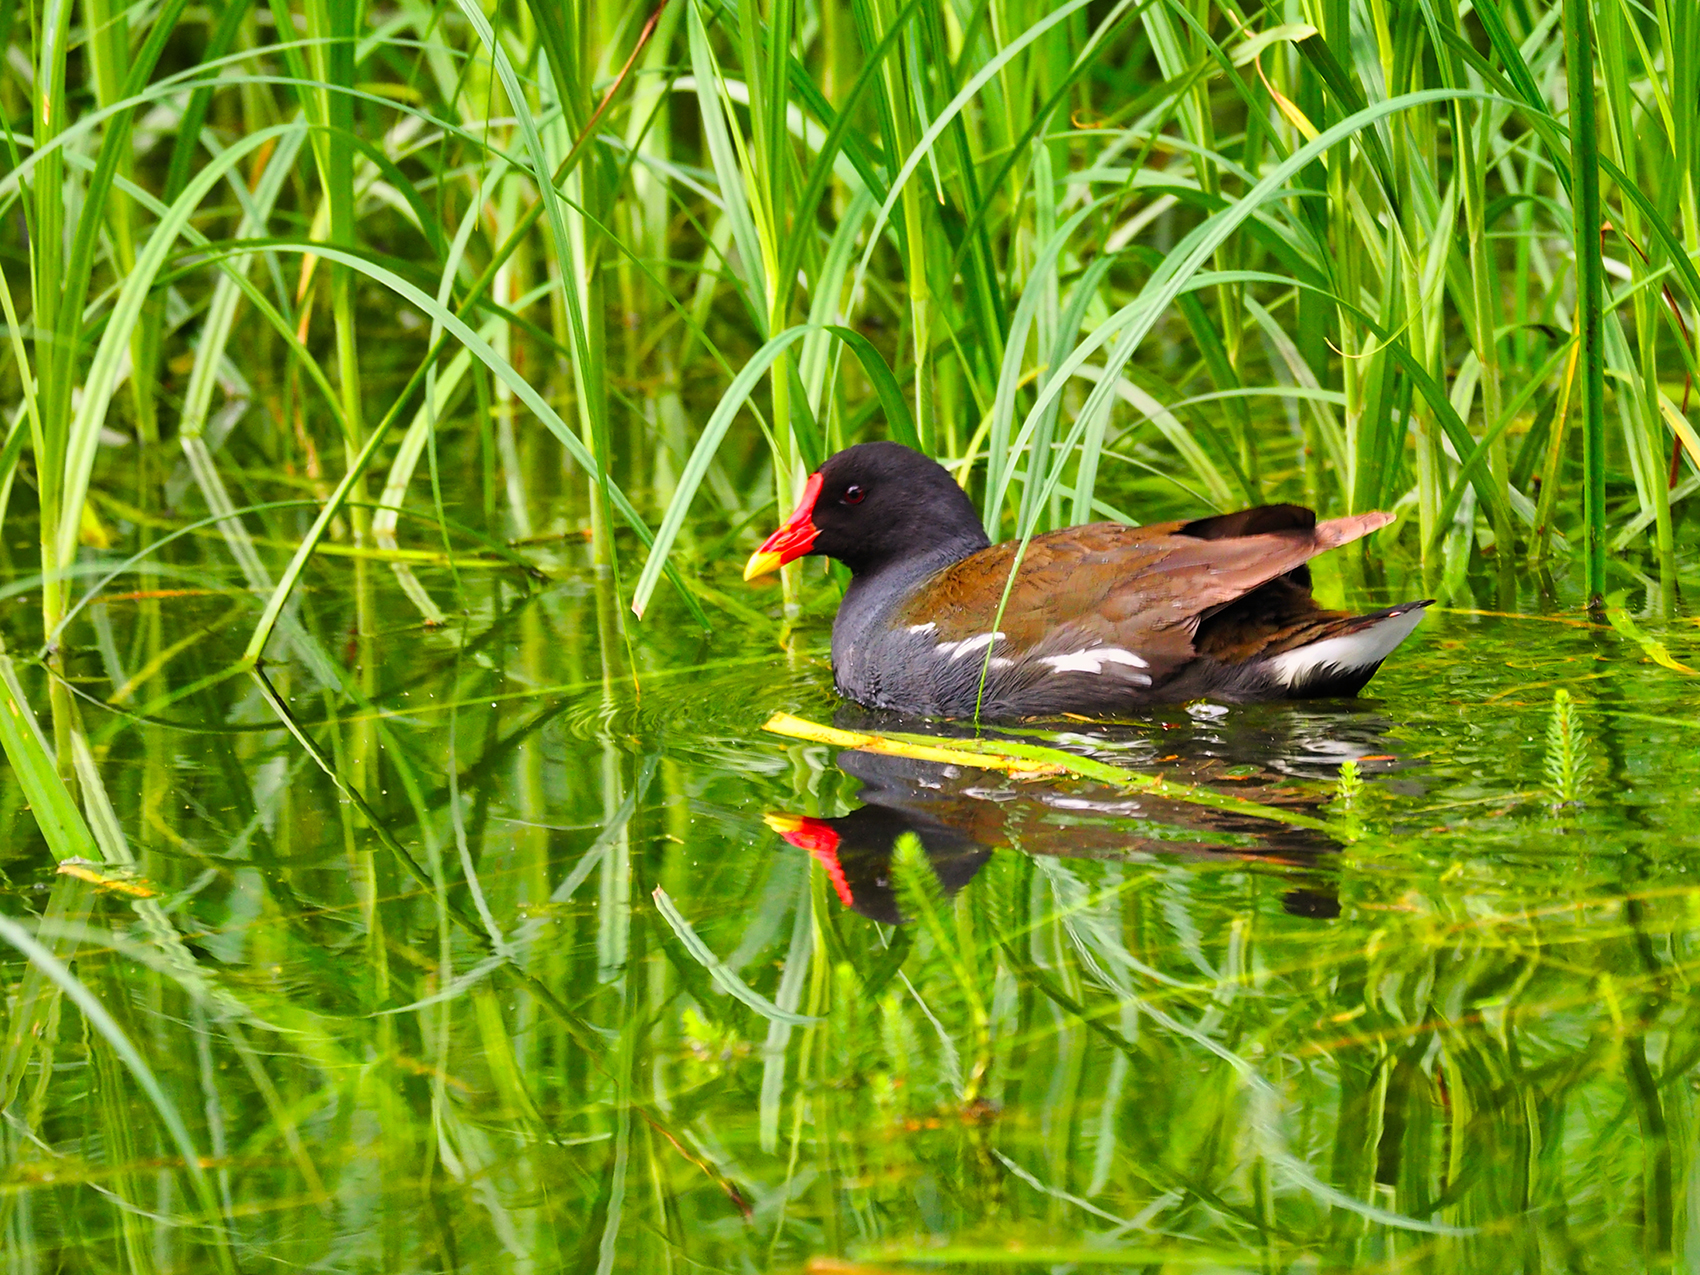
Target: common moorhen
{"points": [[1100, 619]]}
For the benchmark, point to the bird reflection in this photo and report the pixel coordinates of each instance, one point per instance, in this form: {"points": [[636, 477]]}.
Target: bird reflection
{"points": [[961, 815]]}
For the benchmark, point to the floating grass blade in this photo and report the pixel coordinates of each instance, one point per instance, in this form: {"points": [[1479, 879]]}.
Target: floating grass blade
{"points": [[1029, 761], [957, 752], [1617, 613]]}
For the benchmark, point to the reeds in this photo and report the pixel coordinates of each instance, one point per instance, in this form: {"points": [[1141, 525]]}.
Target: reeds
{"points": [[619, 275], [1131, 256]]}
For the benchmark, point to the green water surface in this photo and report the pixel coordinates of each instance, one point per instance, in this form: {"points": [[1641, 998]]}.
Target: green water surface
{"points": [[439, 980]]}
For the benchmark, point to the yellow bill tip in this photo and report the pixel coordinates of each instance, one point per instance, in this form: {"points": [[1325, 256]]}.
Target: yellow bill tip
{"points": [[761, 563], [782, 824]]}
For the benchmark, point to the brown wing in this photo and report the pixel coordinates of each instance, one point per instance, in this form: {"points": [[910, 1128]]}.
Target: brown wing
{"points": [[1142, 589], [1280, 616]]}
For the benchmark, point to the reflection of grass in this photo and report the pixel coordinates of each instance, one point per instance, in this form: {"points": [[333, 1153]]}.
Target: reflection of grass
{"points": [[1068, 1058]]}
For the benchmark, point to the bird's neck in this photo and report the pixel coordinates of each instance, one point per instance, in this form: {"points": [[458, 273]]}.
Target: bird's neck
{"points": [[878, 590]]}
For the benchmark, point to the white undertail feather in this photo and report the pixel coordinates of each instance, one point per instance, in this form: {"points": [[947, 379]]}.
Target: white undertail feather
{"points": [[1368, 646]]}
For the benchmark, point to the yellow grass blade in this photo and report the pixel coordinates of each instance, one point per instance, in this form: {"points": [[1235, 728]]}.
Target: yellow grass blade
{"points": [[1030, 761]]}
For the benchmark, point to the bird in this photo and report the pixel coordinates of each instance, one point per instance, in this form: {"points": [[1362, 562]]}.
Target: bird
{"points": [[1098, 620]]}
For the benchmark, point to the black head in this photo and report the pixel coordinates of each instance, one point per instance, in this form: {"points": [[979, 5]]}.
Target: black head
{"points": [[873, 504]]}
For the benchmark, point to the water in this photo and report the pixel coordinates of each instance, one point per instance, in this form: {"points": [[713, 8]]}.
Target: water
{"points": [[1449, 1027]]}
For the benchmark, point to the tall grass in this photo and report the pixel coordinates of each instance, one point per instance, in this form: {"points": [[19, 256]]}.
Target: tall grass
{"points": [[1097, 258], [448, 290]]}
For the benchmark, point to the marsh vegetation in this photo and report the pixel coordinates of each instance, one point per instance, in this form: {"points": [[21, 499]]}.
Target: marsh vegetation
{"points": [[396, 873]]}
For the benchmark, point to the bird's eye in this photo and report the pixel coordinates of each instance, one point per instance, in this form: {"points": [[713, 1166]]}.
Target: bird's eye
{"points": [[854, 495]]}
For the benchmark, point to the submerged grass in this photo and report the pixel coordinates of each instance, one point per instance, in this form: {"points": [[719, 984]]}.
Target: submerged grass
{"points": [[548, 996], [459, 954]]}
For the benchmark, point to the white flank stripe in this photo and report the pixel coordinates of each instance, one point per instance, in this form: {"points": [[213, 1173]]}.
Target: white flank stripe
{"points": [[928, 627], [956, 650], [1355, 650], [1093, 661]]}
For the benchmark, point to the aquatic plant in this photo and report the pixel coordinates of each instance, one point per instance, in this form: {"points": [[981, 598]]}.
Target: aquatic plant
{"points": [[1349, 784], [1566, 752], [1348, 790], [1139, 255], [364, 366]]}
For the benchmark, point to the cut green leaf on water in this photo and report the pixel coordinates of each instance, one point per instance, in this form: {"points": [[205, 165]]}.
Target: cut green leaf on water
{"points": [[1620, 619]]}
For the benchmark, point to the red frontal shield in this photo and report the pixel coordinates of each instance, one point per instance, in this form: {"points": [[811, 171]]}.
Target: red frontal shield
{"points": [[792, 540]]}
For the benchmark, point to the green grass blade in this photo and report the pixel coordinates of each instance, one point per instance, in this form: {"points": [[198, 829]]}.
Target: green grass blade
{"points": [[719, 971], [1590, 287], [113, 1034], [84, 433], [737, 393], [31, 759]]}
